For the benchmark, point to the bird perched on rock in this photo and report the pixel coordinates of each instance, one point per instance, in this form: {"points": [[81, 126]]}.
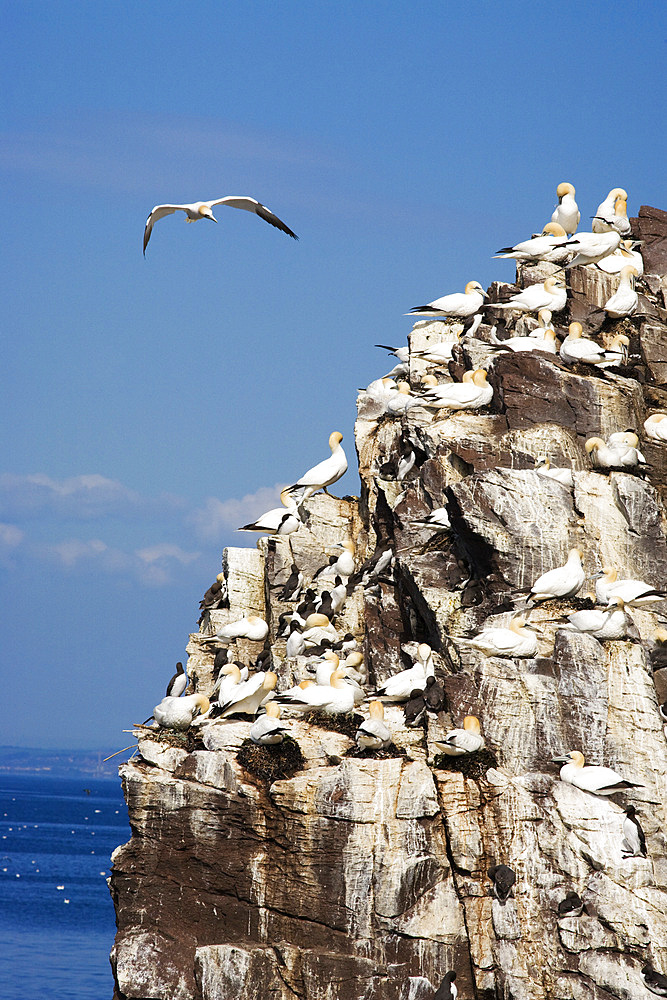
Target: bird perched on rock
{"points": [[269, 729], [373, 733], [400, 686], [551, 295], [634, 841], [625, 300], [279, 520], [249, 627], [658, 655], [594, 778], [607, 218], [571, 906], [589, 248], [624, 254], [461, 742], [249, 695], [447, 989], [610, 623], [517, 640], [503, 879], [437, 354], [469, 394], [335, 698], [564, 581], [618, 454], [546, 247], [654, 981], [437, 520], [518, 345], [576, 349], [179, 713], [293, 585], [634, 592], [203, 210], [656, 426], [567, 212], [617, 352], [562, 476], [324, 473], [415, 707], [178, 683], [457, 305]]}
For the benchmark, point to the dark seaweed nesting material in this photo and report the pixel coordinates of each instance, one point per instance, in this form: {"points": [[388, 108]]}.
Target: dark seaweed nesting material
{"points": [[345, 724], [367, 754], [182, 739], [474, 765], [271, 763]]}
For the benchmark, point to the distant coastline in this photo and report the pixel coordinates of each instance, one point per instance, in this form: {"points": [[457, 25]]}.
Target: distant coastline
{"points": [[59, 763]]}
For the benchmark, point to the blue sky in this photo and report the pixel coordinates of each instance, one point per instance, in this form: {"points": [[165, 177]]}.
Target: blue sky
{"points": [[151, 406]]}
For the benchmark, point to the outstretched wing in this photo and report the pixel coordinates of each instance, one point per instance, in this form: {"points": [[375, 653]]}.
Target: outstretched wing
{"points": [[250, 205], [158, 212]]}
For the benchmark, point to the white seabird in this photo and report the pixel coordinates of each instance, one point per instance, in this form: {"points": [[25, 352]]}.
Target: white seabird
{"points": [[269, 729], [613, 263], [625, 300], [615, 454], [551, 295], [564, 581], [617, 352], [656, 426], [608, 624], [469, 394], [373, 733], [589, 248], [203, 210], [437, 520], [249, 627], [437, 354], [324, 473], [634, 841], [178, 713], [594, 779], [517, 640], [335, 698], [546, 247], [608, 217], [178, 683], [279, 520], [576, 348], [562, 475], [456, 305], [567, 212], [249, 695], [546, 343], [634, 592], [400, 686], [460, 742]]}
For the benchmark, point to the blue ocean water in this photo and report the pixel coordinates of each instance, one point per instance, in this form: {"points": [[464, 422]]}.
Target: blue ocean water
{"points": [[56, 917]]}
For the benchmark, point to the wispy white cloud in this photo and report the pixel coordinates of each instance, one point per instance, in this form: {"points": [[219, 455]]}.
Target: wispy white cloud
{"points": [[86, 496], [154, 566], [216, 518], [10, 539]]}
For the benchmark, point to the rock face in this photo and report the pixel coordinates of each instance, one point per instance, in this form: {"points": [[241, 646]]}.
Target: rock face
{"points": [[364, 876]]}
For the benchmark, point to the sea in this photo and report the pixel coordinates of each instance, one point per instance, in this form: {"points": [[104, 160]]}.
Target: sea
{"points": [[57, 921]]}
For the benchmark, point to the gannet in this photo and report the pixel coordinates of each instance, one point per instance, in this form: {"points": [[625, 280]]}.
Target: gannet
{"points": [[437, 520], [400, 686], [656, 426], [564, 581], [466, 395], [547, 247], [447, 990], [571, 906], [457, 304], [624, 301], [437, 354], [634, 841], [460, 742], [576, 348], [249, 627], [654, 981], [634, 592], [544, 324], [594, 779], [268, 729], [567, 212], [334, 698], [203, 210], [178, 713], [610, 623], [546, 343], [503, 879], [373, 733], [249, 695], [606, 219], [592, 247], [617, 352], [324, 473], [563, 476], [615, 455], [343, 566], [515, 640], [178, 683], [551, 295], [620, 257], [401, 399], [401, 353], [228, 679], [279, 520], [318, 628]]}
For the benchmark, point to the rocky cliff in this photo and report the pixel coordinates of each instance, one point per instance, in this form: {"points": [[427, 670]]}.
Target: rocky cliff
{"points": [[365, 876]]}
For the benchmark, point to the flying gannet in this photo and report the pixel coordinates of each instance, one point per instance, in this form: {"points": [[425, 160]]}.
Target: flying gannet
{"points": [[563, 581], [461, 742], [203, 210], [324, 473], [551, 295], [178, 713], [373, 733], [567, 211], [279, 520], [456, 305], [593, 778]]}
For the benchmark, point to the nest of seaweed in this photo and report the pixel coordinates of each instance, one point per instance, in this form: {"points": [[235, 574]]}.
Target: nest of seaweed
{"points": [[367, 754], [474, 765], [183, 739], [345, 724], [271, 763]]}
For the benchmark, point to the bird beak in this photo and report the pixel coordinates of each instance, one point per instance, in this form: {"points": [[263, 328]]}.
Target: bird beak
{"points": [[211, 218], [560, 760], [596, 576]]}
